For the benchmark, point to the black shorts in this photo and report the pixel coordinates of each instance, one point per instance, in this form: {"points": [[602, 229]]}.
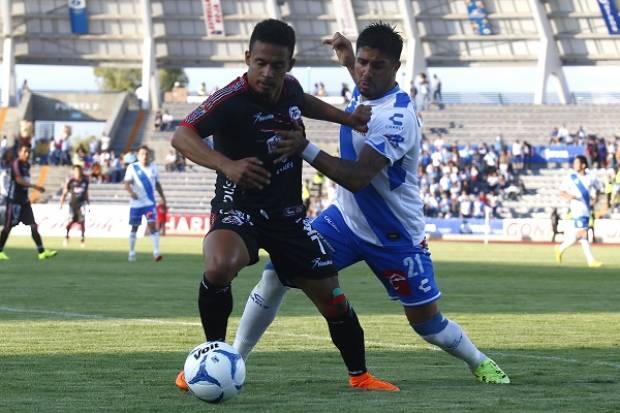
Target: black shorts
{"points": [[295, 248], [16, 213], [76, 213]]}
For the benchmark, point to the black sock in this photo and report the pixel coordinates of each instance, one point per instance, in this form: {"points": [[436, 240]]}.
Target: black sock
{"points": [[4, 235], [37, 239], [348, 336], [215, 305]]}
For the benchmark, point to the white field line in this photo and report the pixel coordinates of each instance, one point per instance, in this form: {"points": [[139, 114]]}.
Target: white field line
{"points": [[294, 335]]}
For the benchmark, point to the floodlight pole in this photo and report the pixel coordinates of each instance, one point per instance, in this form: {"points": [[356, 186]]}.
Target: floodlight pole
{"points": [[150, 80], [416, 62], [8, 57], [549, 63]]}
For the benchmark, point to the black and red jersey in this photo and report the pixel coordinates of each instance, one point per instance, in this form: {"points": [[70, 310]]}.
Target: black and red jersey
{"points": [[78, 189], [242, 125], [18, 194]]}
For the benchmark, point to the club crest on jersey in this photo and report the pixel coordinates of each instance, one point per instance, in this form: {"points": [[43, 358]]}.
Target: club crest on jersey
{"points": [[294, 113]]}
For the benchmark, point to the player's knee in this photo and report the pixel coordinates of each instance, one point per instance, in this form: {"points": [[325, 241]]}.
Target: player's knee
{"points": [[270, 285], [220, 270]]}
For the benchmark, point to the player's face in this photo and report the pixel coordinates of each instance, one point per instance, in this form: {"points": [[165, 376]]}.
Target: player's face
{"points": [[24, 154], [77, 173], [143, 156], [267, 65], [578, 165], [375, 72]]}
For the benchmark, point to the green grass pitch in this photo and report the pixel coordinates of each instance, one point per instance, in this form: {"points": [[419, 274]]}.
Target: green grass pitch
{"points": [[90, 332]]}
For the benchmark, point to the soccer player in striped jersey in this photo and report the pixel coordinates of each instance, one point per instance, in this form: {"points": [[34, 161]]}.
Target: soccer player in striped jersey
{"points": [[377, 216], [141, 181], [577, 188]]}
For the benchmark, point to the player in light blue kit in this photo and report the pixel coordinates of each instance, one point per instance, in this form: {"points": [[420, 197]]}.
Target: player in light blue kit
{"points": [[377, 216], [577, 188], [141, 181]]}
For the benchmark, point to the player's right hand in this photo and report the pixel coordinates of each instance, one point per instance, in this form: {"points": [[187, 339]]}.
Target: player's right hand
{"points": [[343, 48], [247, 173], [39, 188]]}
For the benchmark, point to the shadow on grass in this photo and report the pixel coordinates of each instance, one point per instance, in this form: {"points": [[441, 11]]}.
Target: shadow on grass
{"points": [[312, 381]]}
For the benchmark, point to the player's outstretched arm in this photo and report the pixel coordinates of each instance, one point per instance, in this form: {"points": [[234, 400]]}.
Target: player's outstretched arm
{"points": [[315, 108], [65, 191], [247, 172]]}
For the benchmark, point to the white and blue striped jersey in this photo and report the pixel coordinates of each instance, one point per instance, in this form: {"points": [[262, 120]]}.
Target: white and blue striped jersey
{"points": [[389, 211], [143, 181], [582, 187]]}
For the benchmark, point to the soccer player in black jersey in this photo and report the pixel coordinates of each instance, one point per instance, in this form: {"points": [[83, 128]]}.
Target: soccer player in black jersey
{"points": [[257, 200], [77, 188], [18, 208]]}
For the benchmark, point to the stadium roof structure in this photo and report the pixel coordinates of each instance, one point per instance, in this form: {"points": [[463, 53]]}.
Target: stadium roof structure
{"points": [[215, 33]]}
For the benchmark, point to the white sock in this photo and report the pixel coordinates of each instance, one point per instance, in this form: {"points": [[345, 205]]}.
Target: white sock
{"points": [[570, 240], [132, 242], [259, 312], [585, 245], [453, 340], [155, 239]]}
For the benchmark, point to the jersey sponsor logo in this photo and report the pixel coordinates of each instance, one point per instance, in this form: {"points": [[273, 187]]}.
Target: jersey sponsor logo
{"points": [[288, 165], [394, 119], [395, 140], [272, 144], [398, 281], [320, 263], [261, 117], [294, 113]]}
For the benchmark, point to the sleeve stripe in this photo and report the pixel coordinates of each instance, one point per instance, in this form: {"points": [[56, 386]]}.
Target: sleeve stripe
{"points": [[213, 101]]}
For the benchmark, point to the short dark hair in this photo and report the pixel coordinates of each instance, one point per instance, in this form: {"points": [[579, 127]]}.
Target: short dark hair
{"points": [[276, 32], [582, 159], [381, 36], [77, 167], [146, 148], [24, 145]]}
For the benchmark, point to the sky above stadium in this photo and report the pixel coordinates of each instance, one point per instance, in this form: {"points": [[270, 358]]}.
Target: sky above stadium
{"points": [[519, 79]]}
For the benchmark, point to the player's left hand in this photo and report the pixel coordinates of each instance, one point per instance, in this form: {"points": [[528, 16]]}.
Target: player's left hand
{"points": [[292, 142], [360, 117]]}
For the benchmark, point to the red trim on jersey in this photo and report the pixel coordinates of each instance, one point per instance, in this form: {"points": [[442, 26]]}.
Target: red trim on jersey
{"points": [[234, 88]]}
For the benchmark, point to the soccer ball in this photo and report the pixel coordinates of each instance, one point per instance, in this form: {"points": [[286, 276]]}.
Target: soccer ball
{"points": [[214, 371]]}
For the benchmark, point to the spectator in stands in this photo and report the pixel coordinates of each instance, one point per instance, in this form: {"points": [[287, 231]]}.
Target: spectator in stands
{"points": [[322, 91], [413, 92], [563, 134], [94, 146], [158, 120], [553, 136], [528, 152], [82, 159], [171, 160], [425, 91], [315, 91], [105, 142], [345, 93], [4, 146], [181, 162], [517, 153], [581, 136], [591, 152], [601, 153], [166, 120], [202, 90], [437, 98]]}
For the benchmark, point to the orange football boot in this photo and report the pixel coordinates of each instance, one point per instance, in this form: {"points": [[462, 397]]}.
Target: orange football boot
{"points": [[369, 382]]}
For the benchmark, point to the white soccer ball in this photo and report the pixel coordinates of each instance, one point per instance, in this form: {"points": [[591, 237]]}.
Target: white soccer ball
{"points": [[214, 371]]}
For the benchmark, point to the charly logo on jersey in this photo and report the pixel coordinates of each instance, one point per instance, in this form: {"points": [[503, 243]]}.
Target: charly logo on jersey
{"points": [[262, 117], [396, 120], [294, 113]]}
